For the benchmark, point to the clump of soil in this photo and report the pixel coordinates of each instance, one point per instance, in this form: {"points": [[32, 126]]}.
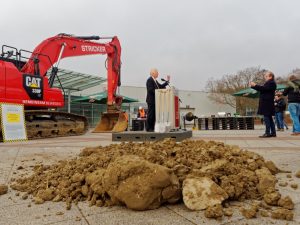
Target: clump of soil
{"points": [[272, 167], [201, 192], [266, 181], [272, 198], [3, 189], [283, 184], [215, 211], [145, 175], [228, 212], [264, 213], [283, 214], [286, 203], [139, 184], [249, 212], [294, 186]]}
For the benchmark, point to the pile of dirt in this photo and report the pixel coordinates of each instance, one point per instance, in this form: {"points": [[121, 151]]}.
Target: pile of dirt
{"points": [[145, 175]]}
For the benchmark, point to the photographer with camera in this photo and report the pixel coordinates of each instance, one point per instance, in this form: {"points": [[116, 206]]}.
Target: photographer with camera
{"points": [[266, 103]]}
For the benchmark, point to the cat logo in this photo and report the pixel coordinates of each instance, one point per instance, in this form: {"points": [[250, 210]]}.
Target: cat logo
{"points": [[33, 86], [33, 82]]}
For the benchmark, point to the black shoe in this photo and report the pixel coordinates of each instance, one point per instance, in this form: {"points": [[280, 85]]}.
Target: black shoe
{"points": [[273, 135], [265, 136], [150, 130]]}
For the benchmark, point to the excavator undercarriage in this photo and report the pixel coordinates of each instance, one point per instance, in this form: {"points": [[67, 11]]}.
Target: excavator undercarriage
{"points": [[48, 124]]}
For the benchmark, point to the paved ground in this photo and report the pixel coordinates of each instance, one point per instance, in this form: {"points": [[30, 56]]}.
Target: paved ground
{"points": [[283, 150]]}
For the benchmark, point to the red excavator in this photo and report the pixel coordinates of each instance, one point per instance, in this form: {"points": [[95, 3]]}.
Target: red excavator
{"points": [[24, 80]]}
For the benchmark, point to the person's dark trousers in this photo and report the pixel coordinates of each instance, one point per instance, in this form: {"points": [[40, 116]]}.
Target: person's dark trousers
{"points": [[150, 117], [279, 120], [270, 126]]}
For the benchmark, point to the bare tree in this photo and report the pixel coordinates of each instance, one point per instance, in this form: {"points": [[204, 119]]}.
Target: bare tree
{"points": [[296, 72], [284, 78], [221, 90]]}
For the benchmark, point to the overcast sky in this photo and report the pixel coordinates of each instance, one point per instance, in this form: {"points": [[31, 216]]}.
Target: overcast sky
{"points": [[191, 40]]}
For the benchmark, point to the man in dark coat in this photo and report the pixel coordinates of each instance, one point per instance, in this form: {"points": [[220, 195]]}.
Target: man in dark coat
{"points": [[266, 103], [152, 84]]}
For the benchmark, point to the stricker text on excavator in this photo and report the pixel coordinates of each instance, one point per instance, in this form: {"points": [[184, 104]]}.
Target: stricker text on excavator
{"points": [[24, 80]]}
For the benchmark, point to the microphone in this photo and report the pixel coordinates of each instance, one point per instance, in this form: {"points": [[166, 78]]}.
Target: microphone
{"points": [[164, 80]]}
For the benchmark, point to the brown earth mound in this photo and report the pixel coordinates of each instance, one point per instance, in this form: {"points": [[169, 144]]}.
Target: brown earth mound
{"points": [[145, 175]]}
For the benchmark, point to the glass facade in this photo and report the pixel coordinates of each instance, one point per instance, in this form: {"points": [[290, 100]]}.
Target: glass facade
{"points": [[92, 111]]}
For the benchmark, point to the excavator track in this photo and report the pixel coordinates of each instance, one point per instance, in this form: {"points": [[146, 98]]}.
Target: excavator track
{"points": [[49, 124]]}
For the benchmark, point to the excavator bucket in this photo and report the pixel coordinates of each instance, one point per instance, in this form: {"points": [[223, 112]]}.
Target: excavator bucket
{"points": [[111, 122]]}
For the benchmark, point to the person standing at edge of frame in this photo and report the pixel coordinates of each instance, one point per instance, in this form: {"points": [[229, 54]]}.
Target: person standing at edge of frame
{"points": [[293, 93], [153, 84], [266, 103]]}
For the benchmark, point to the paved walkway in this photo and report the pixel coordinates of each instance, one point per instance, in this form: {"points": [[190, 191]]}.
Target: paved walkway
{"points": [[283, 150]]}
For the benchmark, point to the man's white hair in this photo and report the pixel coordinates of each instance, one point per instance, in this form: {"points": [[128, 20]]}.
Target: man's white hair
{"points": [[153, 70]]}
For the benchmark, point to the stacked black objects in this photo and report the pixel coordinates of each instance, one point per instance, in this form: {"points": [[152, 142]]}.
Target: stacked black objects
{"points": [[141, 136], [226, 123]]}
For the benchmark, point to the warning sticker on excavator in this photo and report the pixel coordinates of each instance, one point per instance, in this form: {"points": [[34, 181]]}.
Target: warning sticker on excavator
{"points": [[13, 122]]}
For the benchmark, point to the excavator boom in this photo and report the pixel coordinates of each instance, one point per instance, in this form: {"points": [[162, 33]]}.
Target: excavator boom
{"points": [[52, 50]]}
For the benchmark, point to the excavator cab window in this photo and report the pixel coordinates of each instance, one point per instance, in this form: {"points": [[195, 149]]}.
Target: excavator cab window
{"points": [[35, 59], [15, 56]]}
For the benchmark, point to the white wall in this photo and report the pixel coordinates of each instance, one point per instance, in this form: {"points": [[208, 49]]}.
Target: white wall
{"points": [[195, 99], [203, 105]]}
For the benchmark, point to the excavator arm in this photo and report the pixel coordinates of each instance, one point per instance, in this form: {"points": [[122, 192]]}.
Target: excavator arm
{"points": [[49, 53]]}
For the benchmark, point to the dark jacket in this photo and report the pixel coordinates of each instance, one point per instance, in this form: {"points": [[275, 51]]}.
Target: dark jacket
{"points": [[151, 86], [293, 96], [266, 98], [280, 105]]}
